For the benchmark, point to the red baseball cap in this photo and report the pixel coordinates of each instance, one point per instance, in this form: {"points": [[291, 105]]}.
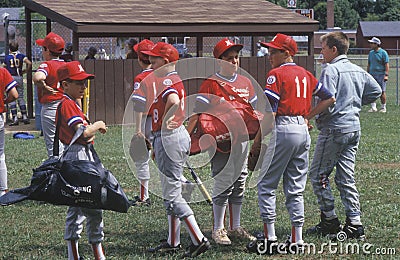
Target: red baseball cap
{"points": [[73, 70], [164, 50], [145, 45], [224, 45], [54, 42], [282, 42]]}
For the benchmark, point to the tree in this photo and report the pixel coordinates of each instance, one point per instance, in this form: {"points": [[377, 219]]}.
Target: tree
{"points": [[10, 3], [345, 16]]}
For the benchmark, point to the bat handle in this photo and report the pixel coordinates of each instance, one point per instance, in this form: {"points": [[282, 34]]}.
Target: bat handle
{"points": [[205, 194]]}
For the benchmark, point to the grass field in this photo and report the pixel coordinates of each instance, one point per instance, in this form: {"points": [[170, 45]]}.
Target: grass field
{"points": [[30, 230]]}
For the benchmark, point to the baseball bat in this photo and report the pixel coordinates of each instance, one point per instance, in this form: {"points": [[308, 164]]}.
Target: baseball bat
{"points": [[200, 184]]}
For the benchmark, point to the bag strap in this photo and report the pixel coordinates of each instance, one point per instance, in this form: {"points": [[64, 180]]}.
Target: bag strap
{"points": [[222, 85], [77, 134]]}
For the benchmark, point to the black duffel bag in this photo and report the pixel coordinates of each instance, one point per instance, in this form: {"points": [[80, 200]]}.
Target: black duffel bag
{"points": [[79, 183]]}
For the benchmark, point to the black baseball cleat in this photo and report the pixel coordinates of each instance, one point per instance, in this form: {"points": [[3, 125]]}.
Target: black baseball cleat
{"points": [[26, 121], [138, 202], [327, 227], [262, 246], [164, 248], [354, 231], [14, 123], [196, 250]]}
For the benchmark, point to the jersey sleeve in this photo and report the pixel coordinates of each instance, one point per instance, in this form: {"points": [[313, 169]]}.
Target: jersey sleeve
{"points": [[7, 82], [44, 68], [272, 90], [72, 113], [319, 90]]}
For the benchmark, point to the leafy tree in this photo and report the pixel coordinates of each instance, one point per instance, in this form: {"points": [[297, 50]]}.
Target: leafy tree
{"points": [[10, 3], [345, 16]]}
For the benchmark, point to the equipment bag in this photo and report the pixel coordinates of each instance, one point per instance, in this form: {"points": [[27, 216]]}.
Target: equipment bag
{"points": [[78, 183], [228, 122]]}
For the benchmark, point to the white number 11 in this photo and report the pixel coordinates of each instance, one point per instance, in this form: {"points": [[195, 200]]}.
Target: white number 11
{"points": [[298, 87]]}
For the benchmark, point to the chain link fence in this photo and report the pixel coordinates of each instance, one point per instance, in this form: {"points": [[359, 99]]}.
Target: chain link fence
{"points": [[362, 60]]}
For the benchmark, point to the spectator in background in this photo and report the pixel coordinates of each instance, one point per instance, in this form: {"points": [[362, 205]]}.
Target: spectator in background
{"points": [[67, 55], [91, 53], [261, 51], [131, 52], [378, 67], [14, 63]]}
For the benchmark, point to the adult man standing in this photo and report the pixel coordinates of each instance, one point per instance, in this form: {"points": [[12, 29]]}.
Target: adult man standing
{"points": [[378, 67], [339, 136]]}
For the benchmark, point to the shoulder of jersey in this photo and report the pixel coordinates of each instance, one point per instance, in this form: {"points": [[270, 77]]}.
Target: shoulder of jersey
{"points": [[43, 65], [271, 79]]}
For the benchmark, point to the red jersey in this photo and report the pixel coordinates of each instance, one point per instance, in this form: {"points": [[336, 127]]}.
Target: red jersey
{"points": [[211, 91], [139, 92], [290, 88], [71, 115], [7, 82], [162, 88], [49, 68]]}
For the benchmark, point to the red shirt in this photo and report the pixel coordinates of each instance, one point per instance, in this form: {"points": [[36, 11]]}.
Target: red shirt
{"points": [[163, 87], [49, 68], [291, 87], [71, 114], [7, 82], [211, 91], [144, 91]]}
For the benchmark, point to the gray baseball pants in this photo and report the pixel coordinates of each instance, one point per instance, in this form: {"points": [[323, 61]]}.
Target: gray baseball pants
{"points": [[3, 167], [76, 215], [290, 160], [229, 171], [48, 119], [171, 148]]}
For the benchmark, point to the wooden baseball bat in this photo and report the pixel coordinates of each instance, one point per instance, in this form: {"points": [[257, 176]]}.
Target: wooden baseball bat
{"points": [[200, 184]]}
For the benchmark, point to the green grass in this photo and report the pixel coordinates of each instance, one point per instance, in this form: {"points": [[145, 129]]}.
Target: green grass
{"points": [[31, 230]]}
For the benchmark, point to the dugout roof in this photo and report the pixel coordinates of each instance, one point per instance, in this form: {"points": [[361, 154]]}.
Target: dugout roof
{"points": [[189, 17]]}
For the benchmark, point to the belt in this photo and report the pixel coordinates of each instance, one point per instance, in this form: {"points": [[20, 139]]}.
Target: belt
{"points": [[167, 132], [287, 120]]}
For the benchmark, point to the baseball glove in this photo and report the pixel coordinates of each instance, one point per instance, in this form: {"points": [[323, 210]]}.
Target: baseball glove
{"points": [[256, 154], [139, 148]]}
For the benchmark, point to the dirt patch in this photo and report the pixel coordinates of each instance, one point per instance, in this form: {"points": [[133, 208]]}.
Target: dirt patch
{"points": [[379, 166]]}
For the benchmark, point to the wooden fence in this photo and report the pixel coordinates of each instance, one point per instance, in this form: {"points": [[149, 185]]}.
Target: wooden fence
{"points": [[113, 84]]}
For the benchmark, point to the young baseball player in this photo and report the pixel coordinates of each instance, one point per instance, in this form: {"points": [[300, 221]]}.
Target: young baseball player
{"points": [[48, 86], [142, 120], [229, 170], [8, 93], [289, 90], [339, 136], [73, 81], [171, 146], [14, 63]]}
